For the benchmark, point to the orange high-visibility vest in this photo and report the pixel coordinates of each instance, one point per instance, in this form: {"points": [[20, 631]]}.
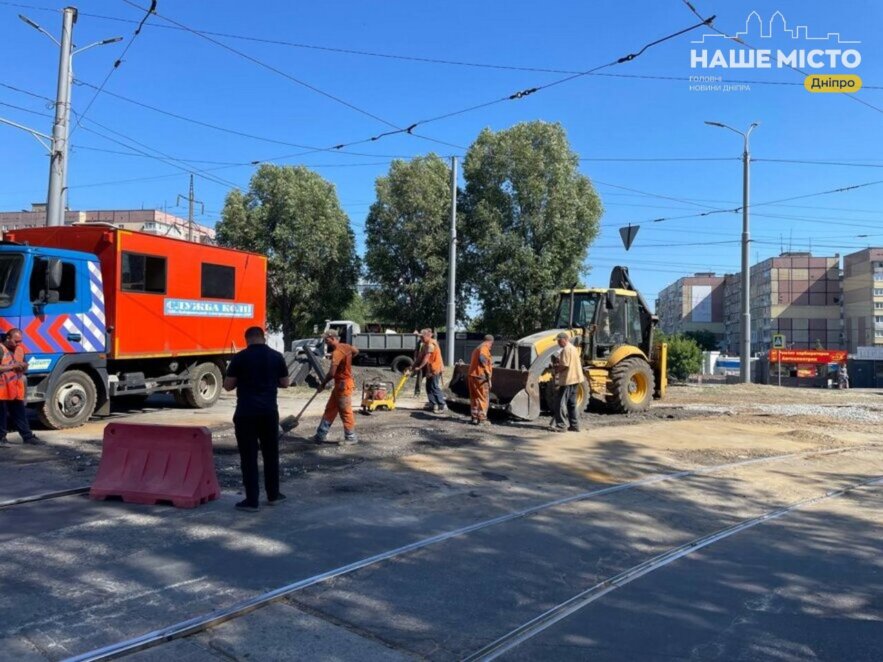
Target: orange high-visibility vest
{"points": [[13, 385], [435, 364], [482, 362]]}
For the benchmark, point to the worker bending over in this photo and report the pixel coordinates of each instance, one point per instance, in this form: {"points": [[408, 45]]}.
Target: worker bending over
{"points": [[480, 368], [568, 376], [341, 399], [431, 359]]}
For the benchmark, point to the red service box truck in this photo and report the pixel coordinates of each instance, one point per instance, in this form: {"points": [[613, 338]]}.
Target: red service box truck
{"points": [[108, 313]]}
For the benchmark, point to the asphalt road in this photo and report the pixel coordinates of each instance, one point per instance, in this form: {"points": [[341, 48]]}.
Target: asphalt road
{"points": [[78, 575]]}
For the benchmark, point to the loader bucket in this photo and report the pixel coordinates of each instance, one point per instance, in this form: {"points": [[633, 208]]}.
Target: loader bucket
{"points": [[514, 391]]}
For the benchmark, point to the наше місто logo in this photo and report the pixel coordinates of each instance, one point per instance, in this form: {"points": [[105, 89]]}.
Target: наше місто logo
{"points": [[797, 48]]}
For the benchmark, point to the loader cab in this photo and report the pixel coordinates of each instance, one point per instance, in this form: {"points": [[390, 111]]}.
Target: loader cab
{"points": [[610, 318]]}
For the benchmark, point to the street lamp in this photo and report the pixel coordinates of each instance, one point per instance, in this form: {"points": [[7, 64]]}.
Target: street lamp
{"points": [[55, 200], [745, 350]]}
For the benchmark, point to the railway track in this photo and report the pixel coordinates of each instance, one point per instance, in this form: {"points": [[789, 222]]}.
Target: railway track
{"points": [[206, 621]]}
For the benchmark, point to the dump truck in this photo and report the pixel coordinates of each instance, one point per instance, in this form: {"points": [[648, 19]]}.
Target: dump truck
{"points": [[109, 313], [614, 330]]}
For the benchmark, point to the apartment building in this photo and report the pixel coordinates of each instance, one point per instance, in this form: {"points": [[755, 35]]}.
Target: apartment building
{"points": [[795, 295], [693, 303], [863, 298], [152, 221]]}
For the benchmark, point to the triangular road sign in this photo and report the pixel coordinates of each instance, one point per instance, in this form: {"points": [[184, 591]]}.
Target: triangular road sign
{"points": [[628, 235]]}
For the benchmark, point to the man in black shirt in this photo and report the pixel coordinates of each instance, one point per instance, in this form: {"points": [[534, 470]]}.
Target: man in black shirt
{"points": [[256, 373]]}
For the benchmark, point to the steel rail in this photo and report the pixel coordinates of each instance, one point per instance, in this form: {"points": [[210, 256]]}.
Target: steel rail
{"points": [[43, 497], [205, 621], [561, 611]]}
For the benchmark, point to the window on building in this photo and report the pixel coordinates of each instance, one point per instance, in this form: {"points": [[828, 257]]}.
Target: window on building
{"points": [[143, 273], [878, 292], [68, 289], [218, 281], [878, 305]]}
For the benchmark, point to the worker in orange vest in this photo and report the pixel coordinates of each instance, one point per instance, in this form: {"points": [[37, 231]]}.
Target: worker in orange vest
{"points": [[13, 388], [341, 399], [431, 359], [480, 369]]}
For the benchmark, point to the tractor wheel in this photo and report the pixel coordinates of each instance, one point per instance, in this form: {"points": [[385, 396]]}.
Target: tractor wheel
{"points": [[583, 395], [631, 387]]}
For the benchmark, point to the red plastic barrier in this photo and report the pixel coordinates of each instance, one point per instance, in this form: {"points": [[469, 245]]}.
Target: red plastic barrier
{"points": [[152, 463]]}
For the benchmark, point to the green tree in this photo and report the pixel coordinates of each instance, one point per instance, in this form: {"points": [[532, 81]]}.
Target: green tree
{"points": [[530, 218], [359, 310], [407, 242], [706, 340], [684, 356], [293, 216]]}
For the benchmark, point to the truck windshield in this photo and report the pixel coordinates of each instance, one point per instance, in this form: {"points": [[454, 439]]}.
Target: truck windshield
{"points": [[584, 309], [10, 271]]}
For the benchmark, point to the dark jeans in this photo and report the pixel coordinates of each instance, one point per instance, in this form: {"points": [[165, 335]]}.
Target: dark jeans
{"points": [[18, 416], [434, 392], [253, 433], [417, 379], [565, 399]]}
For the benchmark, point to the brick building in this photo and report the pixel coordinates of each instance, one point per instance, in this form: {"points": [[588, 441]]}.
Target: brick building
{"points": [[863, 298], [693, 303], [152, 221]]}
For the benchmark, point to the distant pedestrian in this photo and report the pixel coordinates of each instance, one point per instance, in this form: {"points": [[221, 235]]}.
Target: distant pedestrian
{"points": [[431, 359], [257, 372], [14, 388], [481, 368], [842, 377], [340, 402], [568, 376]]}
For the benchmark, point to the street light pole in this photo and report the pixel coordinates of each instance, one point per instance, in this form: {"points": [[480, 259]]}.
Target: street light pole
{"points": [[452, 267], [745, 327], [58, 153]]}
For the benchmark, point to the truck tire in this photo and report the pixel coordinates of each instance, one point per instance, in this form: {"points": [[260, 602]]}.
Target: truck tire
{"points": [[70, 403], [205, 388], [401, 363], [631, 386]]}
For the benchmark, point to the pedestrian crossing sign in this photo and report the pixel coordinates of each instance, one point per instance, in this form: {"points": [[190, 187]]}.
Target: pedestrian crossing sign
{"points": [[779, 341]]}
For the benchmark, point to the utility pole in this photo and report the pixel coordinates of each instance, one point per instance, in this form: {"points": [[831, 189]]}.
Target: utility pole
{"points": [[745, 340], [190, 201], [58, 157], [452, 266], [59, 148]]}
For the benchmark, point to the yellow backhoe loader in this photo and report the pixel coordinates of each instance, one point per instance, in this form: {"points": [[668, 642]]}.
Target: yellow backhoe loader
{"points": [[613, 328]]}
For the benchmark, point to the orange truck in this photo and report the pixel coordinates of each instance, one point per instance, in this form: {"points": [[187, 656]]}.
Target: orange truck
{"points": [[108, 313]]}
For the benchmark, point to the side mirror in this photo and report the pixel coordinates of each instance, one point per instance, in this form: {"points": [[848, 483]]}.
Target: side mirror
{"points": [[53, 274], [610, 300]]}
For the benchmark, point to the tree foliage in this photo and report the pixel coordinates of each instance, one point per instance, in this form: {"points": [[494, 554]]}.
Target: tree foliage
{"points": [[684, 356], [293, 216], [706, 340], [406, 244], [530, 217]]}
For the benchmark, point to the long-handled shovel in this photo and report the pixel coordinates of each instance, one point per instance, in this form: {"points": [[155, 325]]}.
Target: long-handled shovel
{"points": [[290, 422]]}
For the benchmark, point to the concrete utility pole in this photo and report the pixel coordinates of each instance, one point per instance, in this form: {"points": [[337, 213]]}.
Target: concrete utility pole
{"points": [[190, 200], [58, 152], [452, 266], [745, 341]]}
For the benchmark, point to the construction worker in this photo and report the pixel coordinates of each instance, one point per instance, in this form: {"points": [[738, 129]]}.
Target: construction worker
{"points": [[341, 399], [13, 388], [480, 369], [568, 376], [431, 359], [257, 372]]}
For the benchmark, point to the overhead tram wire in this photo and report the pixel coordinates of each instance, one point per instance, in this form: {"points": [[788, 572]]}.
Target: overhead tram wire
{"points": [[419, 58], [511, 97], [296, 80], [116, 64]]}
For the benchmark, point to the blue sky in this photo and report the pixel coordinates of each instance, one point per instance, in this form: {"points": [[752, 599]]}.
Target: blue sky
{"points": [[606, 117]]}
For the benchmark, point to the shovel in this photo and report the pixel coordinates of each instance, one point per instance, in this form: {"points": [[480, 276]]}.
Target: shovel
{"points": [[290, 422]]}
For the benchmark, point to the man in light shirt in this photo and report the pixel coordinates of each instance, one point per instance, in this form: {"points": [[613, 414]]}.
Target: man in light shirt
{"points": [[568, 376]]}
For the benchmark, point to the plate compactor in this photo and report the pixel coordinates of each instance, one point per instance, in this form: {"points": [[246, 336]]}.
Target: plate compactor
{"points": [[380, 394]]}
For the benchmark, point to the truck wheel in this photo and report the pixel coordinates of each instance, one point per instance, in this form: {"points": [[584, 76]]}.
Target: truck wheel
{"points": [[206, 386], [631, 386], [401, 363], [71, 402]]}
